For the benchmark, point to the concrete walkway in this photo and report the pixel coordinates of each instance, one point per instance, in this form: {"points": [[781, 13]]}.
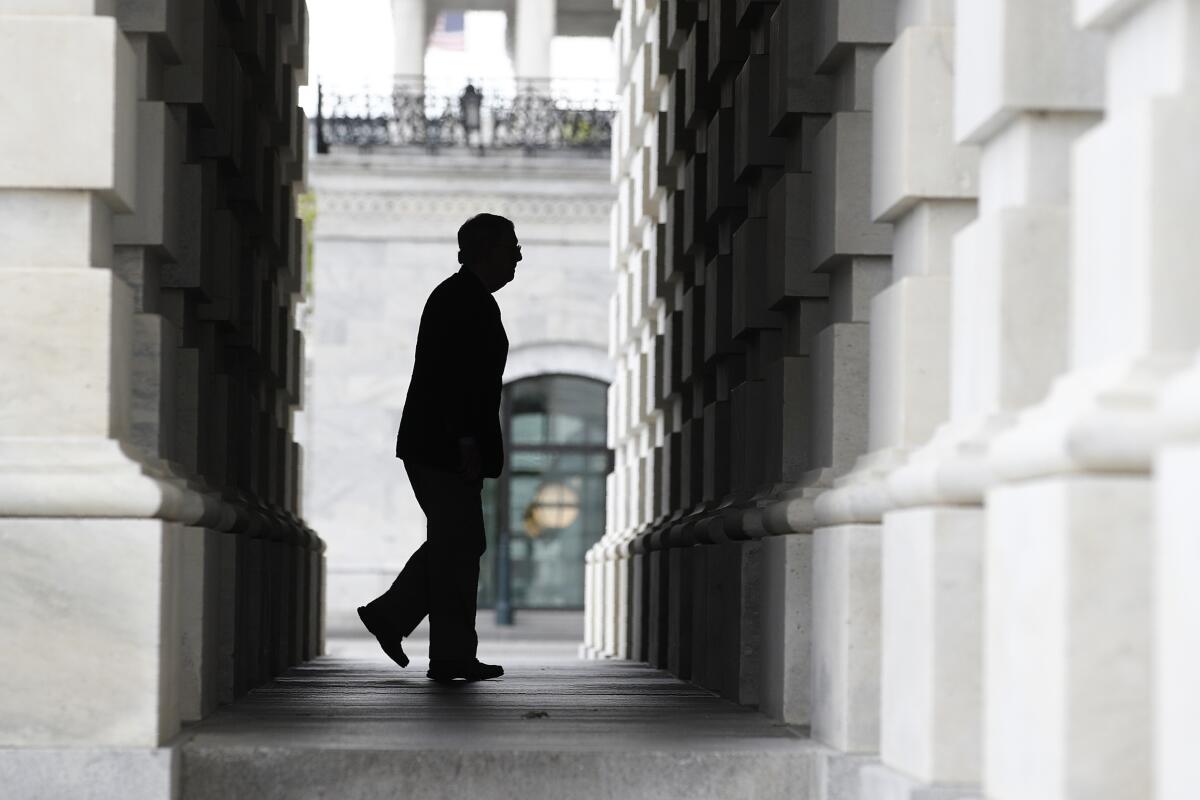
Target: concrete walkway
{"points": [[353, 725]]}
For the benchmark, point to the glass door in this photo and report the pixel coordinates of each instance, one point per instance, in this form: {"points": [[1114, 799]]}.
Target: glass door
{"points": [[550, 498]]}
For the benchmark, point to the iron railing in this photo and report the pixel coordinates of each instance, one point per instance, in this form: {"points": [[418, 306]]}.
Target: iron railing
{"points": [[527, 115]]}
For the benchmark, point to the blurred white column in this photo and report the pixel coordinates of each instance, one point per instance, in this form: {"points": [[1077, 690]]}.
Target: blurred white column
{"points": [[1069, 558], [1023, 100], [411, 33], [1175, 543], [535, 25], [1176, 563], [635, 425]]}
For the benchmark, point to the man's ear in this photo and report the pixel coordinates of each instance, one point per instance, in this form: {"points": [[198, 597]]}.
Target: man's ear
{"points": [[460, 257]]}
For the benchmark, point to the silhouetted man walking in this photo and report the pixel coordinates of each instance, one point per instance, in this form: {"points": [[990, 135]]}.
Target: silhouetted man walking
{"points": [[450, 440]]}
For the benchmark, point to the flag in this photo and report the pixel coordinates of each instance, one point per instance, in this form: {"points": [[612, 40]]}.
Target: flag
{"points": [[448, 31]]}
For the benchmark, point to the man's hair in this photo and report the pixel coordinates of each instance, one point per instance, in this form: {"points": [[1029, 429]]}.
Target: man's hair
{"points": [[479, 233]]}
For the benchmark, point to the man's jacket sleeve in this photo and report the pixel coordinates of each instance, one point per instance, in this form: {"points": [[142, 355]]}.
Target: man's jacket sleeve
{"points": [[456, 372]]}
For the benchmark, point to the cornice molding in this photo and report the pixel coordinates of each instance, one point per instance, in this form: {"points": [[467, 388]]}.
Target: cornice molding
{"points": [[542, 208]]}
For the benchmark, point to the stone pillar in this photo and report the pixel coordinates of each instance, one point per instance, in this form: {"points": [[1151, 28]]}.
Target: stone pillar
{"points": [[587, 648], [636, 420], [1023, 101], [410, 23], [831, 259], [67, 323], [123, 450], [1073, 519], [923, 183], [1175, 558], [534, 24]]}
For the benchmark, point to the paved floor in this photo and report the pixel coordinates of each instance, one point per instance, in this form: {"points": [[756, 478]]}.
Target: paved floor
{"points": [[353, 725]]}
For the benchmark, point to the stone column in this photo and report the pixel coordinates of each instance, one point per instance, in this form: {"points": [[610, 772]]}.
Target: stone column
{"points": [[118, 433], [924, 184], [833, 259], [591, 608], [635, 422], [1023, 100], [86, 603], [534, 24], [67, 322], [410, 23], [1175, 564], [1069, 570]]}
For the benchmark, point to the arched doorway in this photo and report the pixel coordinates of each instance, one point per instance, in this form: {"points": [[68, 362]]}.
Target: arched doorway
{"points": [[547, 508]]}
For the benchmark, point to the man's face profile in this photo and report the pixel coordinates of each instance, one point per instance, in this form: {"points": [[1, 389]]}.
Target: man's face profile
{"points": [[502, 260]]}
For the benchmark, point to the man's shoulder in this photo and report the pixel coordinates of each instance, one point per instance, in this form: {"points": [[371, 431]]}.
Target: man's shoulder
{"points": [[455, 286], [448, 285], [458, 290], [446, 294]]}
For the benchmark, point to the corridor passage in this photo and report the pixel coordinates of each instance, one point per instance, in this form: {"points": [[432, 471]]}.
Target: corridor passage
{"points": [[353, 726]]}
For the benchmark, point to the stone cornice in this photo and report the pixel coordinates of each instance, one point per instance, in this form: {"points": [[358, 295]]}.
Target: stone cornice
{"points": [[382, 165], [455, 207]]}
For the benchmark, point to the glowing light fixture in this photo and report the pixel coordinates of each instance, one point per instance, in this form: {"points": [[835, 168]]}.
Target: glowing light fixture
{"points": [[555, 506]]}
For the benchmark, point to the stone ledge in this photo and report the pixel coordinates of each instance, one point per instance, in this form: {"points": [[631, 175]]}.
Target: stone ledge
{"points": [[136, 773], [878, 782]]}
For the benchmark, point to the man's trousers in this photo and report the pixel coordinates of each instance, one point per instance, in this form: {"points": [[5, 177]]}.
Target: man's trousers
{"points": [[442, 577]]}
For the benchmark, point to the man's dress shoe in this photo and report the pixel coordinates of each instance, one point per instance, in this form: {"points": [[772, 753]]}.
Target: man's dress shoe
{"points": [[389, 642], [474, 670]]}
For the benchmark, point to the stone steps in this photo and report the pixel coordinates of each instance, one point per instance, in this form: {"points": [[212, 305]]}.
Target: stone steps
{"points": [[342, 727]]}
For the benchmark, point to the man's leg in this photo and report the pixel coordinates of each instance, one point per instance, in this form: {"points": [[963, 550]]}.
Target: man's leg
{"points": [[406, 602], [398, 611], [456, 542]]}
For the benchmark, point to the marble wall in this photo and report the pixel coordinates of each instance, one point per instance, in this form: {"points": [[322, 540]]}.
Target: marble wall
{"points": [[384, 237], [918, 353], [153, 557]]}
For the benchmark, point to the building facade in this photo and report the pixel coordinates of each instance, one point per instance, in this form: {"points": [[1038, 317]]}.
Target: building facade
{"points": [[396, 173], [905, 414]]}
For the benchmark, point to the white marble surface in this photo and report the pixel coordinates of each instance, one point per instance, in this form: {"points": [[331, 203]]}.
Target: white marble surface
{"points": [[90, 773], [1176, 562], [1019, 54], [915, 156], [909, 361], [43, 143], [91, 651], [80, 221], [932, 641], [786, 628], [1068, 620], [65, 343], [846, 637]]}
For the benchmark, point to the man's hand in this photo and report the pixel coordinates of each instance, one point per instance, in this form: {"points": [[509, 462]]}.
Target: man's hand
{"points": [[470, 463]]}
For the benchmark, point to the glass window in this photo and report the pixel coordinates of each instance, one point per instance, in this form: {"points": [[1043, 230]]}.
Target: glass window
{"points": [[528, 429], [551, 494]]}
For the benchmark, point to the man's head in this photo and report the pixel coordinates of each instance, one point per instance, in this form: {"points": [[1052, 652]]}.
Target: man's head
{"points": [[487, 245]]}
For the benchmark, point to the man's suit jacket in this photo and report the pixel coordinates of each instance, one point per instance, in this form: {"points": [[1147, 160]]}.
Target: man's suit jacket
{"points": [[456, 381]]}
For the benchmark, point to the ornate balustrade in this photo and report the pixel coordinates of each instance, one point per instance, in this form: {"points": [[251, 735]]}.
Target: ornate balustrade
{"points": [[530, 115]]}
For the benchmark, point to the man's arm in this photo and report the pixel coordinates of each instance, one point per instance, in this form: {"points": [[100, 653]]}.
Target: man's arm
{"points": [[455, 349]]}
